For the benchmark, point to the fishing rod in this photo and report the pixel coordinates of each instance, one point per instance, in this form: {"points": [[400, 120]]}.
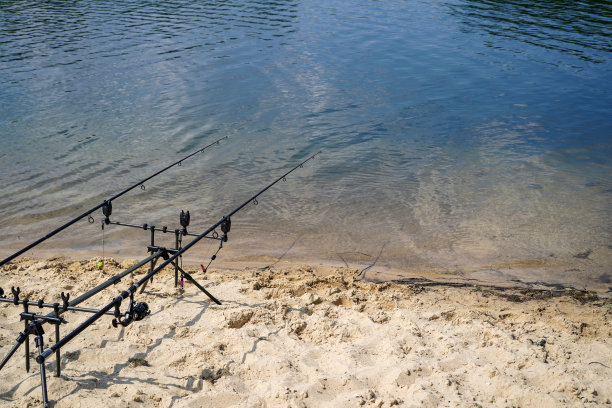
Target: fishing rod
{"points": [[224, 223], [106, 204], [59, 309]]}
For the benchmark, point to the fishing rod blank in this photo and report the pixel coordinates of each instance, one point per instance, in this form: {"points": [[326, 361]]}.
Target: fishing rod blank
{"points": [[104, 204], [59, 309], [225, 224]]}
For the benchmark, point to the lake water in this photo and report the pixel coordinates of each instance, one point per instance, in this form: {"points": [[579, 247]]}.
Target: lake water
{"points": [[472, 138]]}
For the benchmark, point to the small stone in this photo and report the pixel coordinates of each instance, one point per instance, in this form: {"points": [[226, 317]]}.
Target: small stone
{"points": [[369, 395]]}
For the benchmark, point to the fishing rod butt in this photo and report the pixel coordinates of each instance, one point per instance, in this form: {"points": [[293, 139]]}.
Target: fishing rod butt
{"points": [[40, 359]]}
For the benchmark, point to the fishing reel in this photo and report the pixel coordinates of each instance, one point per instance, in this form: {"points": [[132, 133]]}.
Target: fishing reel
{"points": [[185, 217], [135, 312]]}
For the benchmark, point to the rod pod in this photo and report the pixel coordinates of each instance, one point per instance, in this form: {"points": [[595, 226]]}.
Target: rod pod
{"points": [[167, 261]]}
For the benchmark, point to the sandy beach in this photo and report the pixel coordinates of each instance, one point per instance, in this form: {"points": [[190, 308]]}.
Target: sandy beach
{"points": [[303, 336]]}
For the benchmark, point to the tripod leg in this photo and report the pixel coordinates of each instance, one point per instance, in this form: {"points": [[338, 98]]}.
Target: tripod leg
{"points": [[58, 369], [176, 246], [188, 276], [20, 339], [43, 373], [27, 347], [153, 262]]}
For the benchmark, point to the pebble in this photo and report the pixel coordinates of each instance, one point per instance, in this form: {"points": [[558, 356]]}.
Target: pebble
{"points": [[370, 395]]}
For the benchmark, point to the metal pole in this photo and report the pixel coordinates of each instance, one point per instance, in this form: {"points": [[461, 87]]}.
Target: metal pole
{"points": [[188, 276], [43, 373], [57, 338], [47, 305], [27, 338], [20, 339], [176, 246], [152, 243], [146, 227]]}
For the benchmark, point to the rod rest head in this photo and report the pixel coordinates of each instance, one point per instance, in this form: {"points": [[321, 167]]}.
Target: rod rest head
{"points": [[65, 298], [15, 294]]}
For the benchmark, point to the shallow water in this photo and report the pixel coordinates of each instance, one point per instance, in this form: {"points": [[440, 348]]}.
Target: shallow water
{"points": [[472, 137]]}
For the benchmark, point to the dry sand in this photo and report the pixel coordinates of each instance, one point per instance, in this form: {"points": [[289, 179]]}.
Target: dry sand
{"points": [[301, 337]]}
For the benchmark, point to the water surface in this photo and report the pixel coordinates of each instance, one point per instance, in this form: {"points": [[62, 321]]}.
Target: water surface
{"points": [[470, 137]]}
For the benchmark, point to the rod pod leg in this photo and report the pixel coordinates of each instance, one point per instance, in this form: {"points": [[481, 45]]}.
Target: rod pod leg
{"points": [[176, 246], [27, 338], [27, 348], [20, 339], [152, 243], [43, 373], [58, 368], [144, 286], [190, 278]]}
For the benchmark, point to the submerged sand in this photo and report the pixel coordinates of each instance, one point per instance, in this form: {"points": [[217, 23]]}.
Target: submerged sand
{"points": [[299, 336]]}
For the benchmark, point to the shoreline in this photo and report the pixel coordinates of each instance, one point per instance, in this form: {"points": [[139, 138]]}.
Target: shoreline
{"points": [[312, 336], [521, 274]]}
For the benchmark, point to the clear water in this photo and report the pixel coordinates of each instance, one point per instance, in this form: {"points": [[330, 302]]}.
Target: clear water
{"points": [[470, 137]]}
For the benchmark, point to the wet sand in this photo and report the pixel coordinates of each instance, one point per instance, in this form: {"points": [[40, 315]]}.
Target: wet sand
{"points": [[294, 335]]}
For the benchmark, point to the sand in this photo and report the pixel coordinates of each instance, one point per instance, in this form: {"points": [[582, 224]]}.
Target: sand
{"points": [[301, 336]]}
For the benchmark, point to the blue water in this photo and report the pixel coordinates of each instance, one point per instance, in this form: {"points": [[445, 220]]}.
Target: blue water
{"points": [[468, 137]]}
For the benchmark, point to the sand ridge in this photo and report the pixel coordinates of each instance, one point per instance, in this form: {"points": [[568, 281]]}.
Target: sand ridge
{"points": [[302, 336]]}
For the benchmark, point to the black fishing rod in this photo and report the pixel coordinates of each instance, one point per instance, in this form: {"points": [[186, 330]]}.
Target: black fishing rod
{"points": [[224, 222], [59, 309], [105, 204]]}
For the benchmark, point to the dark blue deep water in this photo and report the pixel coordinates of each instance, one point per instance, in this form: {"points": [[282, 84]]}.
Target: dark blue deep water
{"points": [[470, 137]]}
